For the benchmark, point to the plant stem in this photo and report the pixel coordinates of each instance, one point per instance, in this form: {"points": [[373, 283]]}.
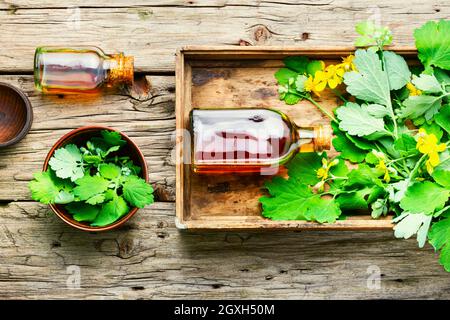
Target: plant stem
{"points": [[340, 96], [336, 178], [413, 173], [389, 102], [403, 158], [437, 214], [324, 111]]}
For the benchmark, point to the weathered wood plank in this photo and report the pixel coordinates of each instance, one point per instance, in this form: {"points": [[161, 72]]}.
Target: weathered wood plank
{"points": [[149, 258], [146, 114], [152, 32]]}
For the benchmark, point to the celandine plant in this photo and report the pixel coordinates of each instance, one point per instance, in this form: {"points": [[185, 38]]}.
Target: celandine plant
{"points": [[394, 128], [95, 184]]}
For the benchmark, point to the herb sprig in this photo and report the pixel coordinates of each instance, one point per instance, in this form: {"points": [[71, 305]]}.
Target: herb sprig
{"points": [[394, 128], [94, 183]]}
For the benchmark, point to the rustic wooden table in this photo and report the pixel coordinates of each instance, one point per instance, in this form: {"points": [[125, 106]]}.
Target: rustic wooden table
{"points": [[149, 258]]}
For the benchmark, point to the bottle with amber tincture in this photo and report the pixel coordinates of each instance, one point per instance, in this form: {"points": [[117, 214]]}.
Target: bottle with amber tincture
{"points": [[80, 70], [249, 140]]}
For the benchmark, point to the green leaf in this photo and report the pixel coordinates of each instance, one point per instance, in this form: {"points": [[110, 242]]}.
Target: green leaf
{"points": [[110, 150], [424, 197], [297, 63], [441, 75], [292, 200], [365, 28], [88, 187], [372, 34], [357, 121], [441, 174], [303, 167], [97, 199], [433, 43], [110, 142], [109, 171], [351, 141], [377, 110], [284, 74], [43, 188], [300, 82], [314, 66], [348, 150], [110, 212], [379, 208], [355, 200], [397, 70], [339, 170], [136, 170], [434, 129], [64, 197], [370, 83], [113, 138], [109, 194], [363, 41], [371, 158], [443, 118], [361, 143], [388, 144], [82, 211], [363, 176], [427, 83], [405, 145], [67, 162], [92, 159], [291, 99], [409, 224], [439, 238], [323, 210], [397, 190], [416, 106], [137, 192]]}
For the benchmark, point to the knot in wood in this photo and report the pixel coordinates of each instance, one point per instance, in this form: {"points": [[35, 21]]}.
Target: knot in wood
{"points": [[261, 34]]}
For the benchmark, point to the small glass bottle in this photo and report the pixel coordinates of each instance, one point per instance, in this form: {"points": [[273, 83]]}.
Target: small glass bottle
{"points": [[80, 70], [249, 140]]}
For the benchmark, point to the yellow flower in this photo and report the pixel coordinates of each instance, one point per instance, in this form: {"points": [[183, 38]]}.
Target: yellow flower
{"points": [[347, 63], [382, 167], [323, 171], [413, 91], [317, 83], [428, 144], [334, 74]]}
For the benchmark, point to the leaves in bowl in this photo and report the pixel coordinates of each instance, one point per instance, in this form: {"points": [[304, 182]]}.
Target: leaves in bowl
{"points": [[95, 183]]}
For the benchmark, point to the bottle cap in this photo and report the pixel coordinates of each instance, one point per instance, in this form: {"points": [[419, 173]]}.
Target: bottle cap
{"points": [[122, 69], [322, 138]]}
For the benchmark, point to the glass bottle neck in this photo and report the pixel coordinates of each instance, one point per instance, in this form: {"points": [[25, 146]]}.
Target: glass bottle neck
{"points": [[313, 139], [119, 68]]}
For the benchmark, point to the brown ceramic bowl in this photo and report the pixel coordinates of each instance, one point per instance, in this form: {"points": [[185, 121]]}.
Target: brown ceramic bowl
{"points": [[79, 137], [16, 115]]}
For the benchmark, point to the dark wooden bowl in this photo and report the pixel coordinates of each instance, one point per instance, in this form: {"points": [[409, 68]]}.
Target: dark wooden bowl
{"points": [[16, 115], [79, 137]]}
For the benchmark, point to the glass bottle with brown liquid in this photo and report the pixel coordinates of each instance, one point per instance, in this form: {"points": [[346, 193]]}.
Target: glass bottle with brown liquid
{"points": [[249, 140], [80, 70]]}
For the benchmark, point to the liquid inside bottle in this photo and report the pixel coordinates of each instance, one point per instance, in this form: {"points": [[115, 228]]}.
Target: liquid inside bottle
{"points": [[74, 70], [248, 140]]}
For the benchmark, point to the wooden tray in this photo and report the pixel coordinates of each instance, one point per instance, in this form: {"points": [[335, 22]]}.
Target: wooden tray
{"points": [[233, 77]]}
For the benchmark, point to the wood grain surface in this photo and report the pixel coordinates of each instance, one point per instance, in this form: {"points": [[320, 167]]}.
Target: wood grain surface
{"points": [[149, 258], [243, 77]]}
